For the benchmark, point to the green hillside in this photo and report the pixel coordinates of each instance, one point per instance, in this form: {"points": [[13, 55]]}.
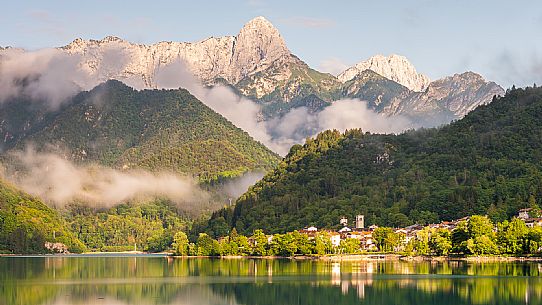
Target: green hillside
{"points": [[295, 84], [115, 125], [148, 226], [377, 90], [488, 162], [26, 224]]}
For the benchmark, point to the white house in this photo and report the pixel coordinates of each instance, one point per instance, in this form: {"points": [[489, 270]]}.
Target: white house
{"points": [[524, 213], [335, 239]]}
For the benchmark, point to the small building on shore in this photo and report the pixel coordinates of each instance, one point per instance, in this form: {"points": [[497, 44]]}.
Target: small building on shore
{"points": [[533, 222], [524, 213]]}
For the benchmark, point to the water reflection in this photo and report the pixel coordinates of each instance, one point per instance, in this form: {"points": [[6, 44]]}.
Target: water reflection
{"points": [[159, 280]]}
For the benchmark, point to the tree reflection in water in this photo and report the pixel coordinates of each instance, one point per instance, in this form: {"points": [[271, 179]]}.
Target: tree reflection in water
{"points": [[159, 280]]}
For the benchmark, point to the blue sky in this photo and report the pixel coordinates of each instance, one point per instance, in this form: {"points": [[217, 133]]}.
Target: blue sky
{"points": [[502, 40]]}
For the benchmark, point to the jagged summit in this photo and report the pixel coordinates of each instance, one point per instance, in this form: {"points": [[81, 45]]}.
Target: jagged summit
{"points": [[394, 67], [459, 94], [256, 47], [111, 39], [106, 39], [259, 21], [259, 31], [257, 62]]}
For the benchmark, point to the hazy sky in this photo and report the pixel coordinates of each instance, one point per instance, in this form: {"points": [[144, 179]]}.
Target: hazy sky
{"points": [[502, 40]]}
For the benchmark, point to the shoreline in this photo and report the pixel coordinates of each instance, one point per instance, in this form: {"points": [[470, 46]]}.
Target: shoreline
{"points": [[378, 257], [328, 258]]}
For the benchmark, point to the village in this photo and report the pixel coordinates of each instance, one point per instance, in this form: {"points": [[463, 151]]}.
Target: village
{"points": [[365, 235]]}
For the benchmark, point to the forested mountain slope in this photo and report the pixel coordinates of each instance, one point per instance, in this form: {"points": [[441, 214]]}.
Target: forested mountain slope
{"points": [[26, 224], [487, 162], [115, 125]]}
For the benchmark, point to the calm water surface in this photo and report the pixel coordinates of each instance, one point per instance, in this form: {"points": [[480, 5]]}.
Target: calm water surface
{"points": [[121, 280]]}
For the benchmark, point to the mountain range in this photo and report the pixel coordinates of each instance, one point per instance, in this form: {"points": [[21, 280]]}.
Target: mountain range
{"points": [[258, 64]]}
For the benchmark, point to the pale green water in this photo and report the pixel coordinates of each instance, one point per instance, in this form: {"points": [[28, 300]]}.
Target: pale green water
{"points": [[158, 280]]}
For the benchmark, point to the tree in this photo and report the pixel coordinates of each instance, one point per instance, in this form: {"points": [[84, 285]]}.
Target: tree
{"points": [[304, 245], [283, 244], [350, 246], [159, 241], [512, 237], [421, 243], [475, 236], [460, 235], [479, 226], [259, 243], [322, 243], [534, 237], [180, 243], [482, 245], [441, 242], [386, 240], [206, 246]]}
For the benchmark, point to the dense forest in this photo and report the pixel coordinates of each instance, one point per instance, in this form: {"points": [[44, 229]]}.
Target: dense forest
{"points": [[147, 226], [489, 162], [26, 224], [115, 125]]}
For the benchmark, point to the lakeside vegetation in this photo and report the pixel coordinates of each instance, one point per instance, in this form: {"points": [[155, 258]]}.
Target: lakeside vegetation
{"points": [[26, 224], [148, 227], [476, 236]]}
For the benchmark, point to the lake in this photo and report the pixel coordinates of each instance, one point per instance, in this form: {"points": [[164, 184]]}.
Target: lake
{"points": [[122, 280]]}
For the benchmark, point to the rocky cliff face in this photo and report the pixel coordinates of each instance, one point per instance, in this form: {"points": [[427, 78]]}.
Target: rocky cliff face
{"points": [[257, 46], [394, 67], [458, 94]]}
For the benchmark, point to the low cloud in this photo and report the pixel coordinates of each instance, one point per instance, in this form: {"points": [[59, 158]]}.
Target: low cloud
{"points": [[48, 74], [344, 114], [242, 112], [294, 127], [59, 181], [53, 75], [238, 186]]}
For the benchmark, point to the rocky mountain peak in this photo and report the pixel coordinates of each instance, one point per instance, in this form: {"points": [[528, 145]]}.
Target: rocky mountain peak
{"points": [[111, 39], [80, 43], [76, 43], [257, 46], [394, 67], [465, 76], [258, 22], [457, 94]]}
